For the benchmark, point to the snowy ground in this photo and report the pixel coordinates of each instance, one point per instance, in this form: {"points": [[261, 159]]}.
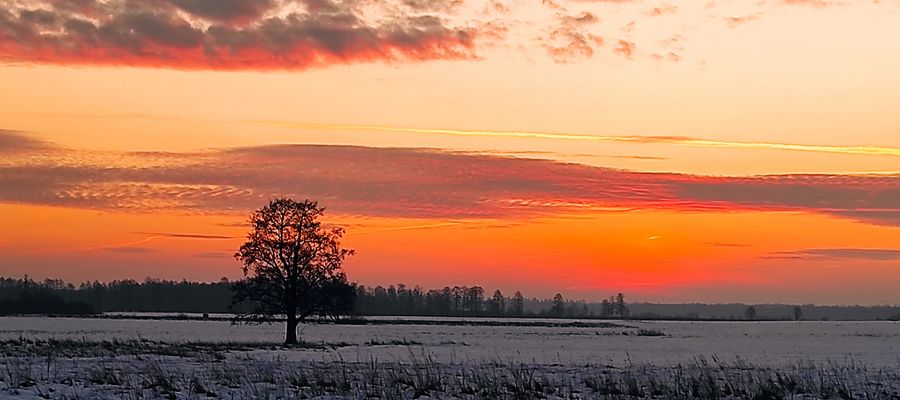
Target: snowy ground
{"points": [[108, 358]]}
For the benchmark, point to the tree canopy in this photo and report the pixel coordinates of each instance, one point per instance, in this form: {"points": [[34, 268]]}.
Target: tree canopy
{"points": [[292, 265]]}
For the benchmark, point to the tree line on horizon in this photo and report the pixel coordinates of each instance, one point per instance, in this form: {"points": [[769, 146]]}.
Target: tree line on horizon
{"points": [[27, 296], [473, 301], [128, 295]]}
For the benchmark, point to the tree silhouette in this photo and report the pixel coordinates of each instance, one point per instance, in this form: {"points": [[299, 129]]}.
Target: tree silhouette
{"points": [[497, 303], [340, 299], [559, 306], [750, 313], [291, 265], [606, 308], [798, 314], [517, 306], [473, 298], [621, 307]]}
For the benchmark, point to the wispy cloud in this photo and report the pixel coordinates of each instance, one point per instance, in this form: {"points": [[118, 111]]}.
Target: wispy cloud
{"points": [[269, 35], [888, 216], [214, 254], [813, 3], [409, 227], [187, 236], [663, 9], [674, 140], [735, 22], [425, 183], [839, 254], [131, 250], [725, 244], [572, 38]]}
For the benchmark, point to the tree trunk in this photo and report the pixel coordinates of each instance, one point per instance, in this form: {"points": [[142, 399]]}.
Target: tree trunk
{"points": [[290, 336]]}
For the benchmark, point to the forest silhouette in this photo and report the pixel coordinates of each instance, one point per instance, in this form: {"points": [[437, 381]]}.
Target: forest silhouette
{"points": [[19, 296]]}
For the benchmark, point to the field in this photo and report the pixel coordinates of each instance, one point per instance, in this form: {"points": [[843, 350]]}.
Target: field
{"points": [[449, 358]]}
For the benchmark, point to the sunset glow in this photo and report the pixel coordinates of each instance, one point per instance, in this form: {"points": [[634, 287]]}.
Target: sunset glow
{"points": [[711, 151]]}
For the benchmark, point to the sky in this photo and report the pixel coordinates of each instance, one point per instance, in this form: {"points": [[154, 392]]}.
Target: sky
{"points": [[695, 151]]}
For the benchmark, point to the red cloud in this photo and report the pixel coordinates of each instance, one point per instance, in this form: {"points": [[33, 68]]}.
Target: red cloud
{"points": [[220, 35], [625, 48], [418, 183]]}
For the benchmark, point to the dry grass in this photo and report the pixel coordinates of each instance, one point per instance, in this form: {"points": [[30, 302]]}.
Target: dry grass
{"points": [[191, 373]]}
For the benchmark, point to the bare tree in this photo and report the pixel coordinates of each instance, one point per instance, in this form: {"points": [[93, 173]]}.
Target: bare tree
{"points": [[291, 264]]}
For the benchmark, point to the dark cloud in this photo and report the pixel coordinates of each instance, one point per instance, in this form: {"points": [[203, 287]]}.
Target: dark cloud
{"points": [[423, 183], [863, 197], [433, 5], [889, 217], [300, 34], [236, 34], [226, 11], [839, 253]]}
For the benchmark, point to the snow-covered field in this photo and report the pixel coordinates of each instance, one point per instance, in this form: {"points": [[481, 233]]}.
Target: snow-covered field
{"points": [[166, 358], [770, 343]]}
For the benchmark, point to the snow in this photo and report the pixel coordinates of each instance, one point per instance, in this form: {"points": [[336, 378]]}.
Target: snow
{"points": [[767, 343], [816, 359]]}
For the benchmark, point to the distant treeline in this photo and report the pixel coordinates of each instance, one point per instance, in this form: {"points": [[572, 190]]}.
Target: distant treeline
{"points": [[25, 296], [473, 301], [126, 295], [17, 296]]}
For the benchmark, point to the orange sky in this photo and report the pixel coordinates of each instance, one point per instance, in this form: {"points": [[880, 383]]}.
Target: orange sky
{"points": [[702, 151]]}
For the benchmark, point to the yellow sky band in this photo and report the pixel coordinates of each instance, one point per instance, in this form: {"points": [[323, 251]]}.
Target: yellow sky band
{"points": [[674, 140]]}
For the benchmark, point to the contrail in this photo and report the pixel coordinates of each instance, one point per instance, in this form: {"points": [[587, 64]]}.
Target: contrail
{"points": [[674, 140]]}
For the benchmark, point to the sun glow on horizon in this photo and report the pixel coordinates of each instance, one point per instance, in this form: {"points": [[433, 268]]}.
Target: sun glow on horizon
{"points": [[708, 151]]}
